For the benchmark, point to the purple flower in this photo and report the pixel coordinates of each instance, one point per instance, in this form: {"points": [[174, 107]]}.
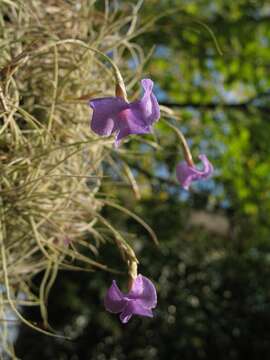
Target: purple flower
{"points": [[115, 115], [186, 174], [140, 300]]}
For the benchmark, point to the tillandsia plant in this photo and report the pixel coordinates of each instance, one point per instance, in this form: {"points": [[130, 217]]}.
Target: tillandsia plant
{"points": [[51, 164]]}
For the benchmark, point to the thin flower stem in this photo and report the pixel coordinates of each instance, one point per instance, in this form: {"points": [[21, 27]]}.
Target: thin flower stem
{"points": [[132, 272], [184, 144], [126, 251], [135, 217]]}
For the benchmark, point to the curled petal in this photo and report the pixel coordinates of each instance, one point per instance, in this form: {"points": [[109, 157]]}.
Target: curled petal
{"points": [[114, 299], [105, 111], [149, 101], [208, 167], [146, 111], [186, 174], [143, 290]]}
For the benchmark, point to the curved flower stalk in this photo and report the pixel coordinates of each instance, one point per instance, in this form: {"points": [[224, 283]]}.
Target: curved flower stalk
{"points": [[140, 300], [115, 115], [186, 173]]}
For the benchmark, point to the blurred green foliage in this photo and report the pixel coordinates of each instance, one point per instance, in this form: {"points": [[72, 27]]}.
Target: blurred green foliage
{"points": [[213, 265]]}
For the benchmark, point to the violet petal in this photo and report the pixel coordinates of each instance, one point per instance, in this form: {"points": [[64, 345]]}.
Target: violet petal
{"points": [[128, 124], [134, 307], [105, 111], [126, 313], [139, 309], [144, 290], [146, 111], [114, 299]]}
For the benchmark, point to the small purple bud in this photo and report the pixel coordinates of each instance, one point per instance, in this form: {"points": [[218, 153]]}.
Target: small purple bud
{"points": [[186, 174]]}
